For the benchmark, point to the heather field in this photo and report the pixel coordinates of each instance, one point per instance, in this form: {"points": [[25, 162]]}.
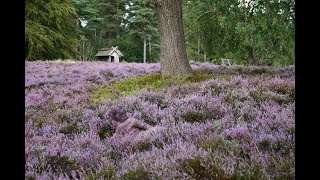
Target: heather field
{"points": [[235, 122]]}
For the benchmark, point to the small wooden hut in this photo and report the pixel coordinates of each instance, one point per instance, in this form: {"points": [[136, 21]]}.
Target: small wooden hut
{"points": [[109, 54]]}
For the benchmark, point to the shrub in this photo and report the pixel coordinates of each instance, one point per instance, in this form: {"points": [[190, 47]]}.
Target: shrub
{"points": [[196, 169], [70, 129], [138, 173], [61, 163], [106, 131]]}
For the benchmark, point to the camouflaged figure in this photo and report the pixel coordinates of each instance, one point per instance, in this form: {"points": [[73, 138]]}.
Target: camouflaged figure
{"points": [[126, 128]]}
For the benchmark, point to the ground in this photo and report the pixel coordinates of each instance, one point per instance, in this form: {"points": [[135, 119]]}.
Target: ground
{"points": [[221, 123]]}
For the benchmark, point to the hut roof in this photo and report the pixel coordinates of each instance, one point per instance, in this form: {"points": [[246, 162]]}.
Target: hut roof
{"points": [[109, 51]]}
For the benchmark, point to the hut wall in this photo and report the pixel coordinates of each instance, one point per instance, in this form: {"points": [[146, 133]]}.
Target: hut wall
{"points": [[116, 57], [102, 58]]}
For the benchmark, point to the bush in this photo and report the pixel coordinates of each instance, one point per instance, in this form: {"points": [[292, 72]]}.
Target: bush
{"points": [[196, 169], [106, 131], [138, 173]]}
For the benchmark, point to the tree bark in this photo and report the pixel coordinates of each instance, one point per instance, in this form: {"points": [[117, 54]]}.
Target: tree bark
{"points": [[150, 57], [173, 56], [144, 50], [82, 50], [198, 48]]}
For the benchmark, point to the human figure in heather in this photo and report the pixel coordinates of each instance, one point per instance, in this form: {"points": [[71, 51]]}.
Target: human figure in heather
{"points": [[126, 128]]}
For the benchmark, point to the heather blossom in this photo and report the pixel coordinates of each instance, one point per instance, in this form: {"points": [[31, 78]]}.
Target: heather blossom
{"points": [[238, 124]]}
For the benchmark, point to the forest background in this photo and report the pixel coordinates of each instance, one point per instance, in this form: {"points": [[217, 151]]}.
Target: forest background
{"points": [[249, 32]]}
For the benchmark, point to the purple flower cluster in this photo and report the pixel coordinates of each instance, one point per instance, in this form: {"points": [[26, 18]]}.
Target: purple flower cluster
{"points": [[239, 124]]}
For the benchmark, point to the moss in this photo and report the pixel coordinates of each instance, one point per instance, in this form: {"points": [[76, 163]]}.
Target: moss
{"points": [[138, 173], [152, 82]]}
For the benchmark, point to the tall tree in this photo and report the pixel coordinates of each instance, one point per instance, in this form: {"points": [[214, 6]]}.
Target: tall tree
{"points": [[50, 29], [173, 56], [143, 23], [88, 28], [112, 13], [248, 32]]}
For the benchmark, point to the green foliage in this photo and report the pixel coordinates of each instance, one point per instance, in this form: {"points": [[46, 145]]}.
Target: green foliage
{"points": [[152, 82], [196, 169], [194, 117], [259, 32], [61, 162], [106, 131], [217, 125], [143, 25], [107, 172], [69, 129], [138, 173], [50, 30], [118, 23], [255, 32]]}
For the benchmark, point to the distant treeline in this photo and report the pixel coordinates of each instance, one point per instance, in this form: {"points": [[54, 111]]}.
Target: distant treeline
{"points": [[257, 32]]}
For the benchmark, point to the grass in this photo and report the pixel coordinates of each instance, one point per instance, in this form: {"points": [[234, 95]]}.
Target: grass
{"points": [[153, 82]]}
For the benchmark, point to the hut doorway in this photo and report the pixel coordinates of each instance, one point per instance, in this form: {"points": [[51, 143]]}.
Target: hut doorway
{"points": [[112, 58]]}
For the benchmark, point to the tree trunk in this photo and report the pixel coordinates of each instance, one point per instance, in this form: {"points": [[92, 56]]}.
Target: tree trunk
{"points": [[82, 50], [173, 56], [110, 38], [251, 59], [144, 50], [150, 59], [198, 48]]}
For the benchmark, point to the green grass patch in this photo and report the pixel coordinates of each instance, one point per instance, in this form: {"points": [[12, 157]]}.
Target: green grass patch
{"points": [[152, 82]]}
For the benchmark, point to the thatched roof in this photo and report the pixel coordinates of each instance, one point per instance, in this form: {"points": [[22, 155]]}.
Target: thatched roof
{"points": [[109, 51]]}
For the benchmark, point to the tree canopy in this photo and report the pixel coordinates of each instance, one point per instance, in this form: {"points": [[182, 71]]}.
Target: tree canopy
{"points": [[249, 32], [50, 29], [256, 32]]}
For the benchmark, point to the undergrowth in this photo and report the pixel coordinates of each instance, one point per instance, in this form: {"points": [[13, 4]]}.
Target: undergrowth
{"points": [[153, 82]]}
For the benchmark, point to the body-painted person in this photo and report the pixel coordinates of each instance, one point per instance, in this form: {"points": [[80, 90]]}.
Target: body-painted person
{"points": [[126, 128]]}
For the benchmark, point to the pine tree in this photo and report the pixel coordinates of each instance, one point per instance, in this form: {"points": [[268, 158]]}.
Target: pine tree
{"points": [[143, 23], [50, 30]]}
